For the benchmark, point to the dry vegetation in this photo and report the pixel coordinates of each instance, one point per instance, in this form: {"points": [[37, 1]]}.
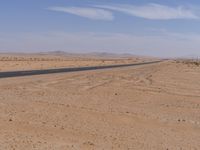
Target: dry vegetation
{"points": [[190, 62], [11, 63]]}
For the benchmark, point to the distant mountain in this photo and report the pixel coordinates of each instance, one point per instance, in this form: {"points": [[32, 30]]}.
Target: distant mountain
{"points": [[76, 55], [92, 54]]}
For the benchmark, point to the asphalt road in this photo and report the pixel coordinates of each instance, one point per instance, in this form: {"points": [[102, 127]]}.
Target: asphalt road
{"points": [[63, 70]]}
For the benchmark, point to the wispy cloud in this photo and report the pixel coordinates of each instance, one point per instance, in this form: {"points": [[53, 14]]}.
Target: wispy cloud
{"points": [[87, 12], [154, 11]]}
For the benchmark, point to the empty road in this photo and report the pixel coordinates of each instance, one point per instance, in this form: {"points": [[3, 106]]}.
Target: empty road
{"points": [[63, 70]]}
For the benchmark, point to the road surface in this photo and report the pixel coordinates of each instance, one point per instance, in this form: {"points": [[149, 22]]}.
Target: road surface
{"points": [[63, 70]]}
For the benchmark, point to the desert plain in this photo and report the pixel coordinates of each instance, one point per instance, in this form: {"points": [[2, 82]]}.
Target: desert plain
{"points": [[147, 107]]}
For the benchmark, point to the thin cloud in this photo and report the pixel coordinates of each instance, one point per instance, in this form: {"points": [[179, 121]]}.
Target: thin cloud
{"points": [[87, 12], [154, 11]]}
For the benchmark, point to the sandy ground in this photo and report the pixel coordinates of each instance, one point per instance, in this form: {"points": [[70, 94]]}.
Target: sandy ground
{"points": [[15, 62], [152, 107]]}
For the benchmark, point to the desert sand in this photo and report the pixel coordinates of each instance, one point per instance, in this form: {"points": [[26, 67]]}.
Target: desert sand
{"points": [[16, 62], [146, 107]]}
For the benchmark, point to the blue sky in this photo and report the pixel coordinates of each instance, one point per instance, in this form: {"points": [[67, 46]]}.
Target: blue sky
{"points": [[142, 27]]}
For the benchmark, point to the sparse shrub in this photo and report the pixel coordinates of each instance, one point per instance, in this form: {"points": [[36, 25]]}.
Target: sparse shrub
{"points": [[189, 62]]}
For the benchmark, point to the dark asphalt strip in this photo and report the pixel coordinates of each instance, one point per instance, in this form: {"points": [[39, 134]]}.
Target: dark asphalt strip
{"points": [[62, 70]]}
